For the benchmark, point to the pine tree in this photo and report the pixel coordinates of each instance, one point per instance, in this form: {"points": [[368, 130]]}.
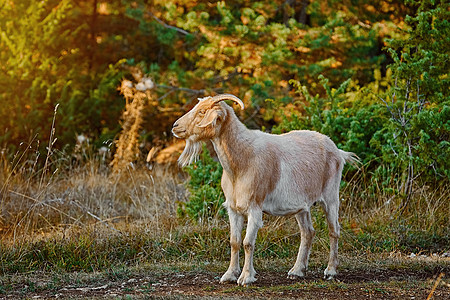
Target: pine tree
{"points": [[419, 103]]}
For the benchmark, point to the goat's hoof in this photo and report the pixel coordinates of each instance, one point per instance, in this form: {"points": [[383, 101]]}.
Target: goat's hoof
{"points": [[229, 277], [295, 274], [328, 277], [295, 277], [246, 279], [329, 274]]}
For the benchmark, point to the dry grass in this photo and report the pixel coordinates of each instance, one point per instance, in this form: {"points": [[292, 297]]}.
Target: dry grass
{"points": [[368, 198], [81, 193], [80, 215]]}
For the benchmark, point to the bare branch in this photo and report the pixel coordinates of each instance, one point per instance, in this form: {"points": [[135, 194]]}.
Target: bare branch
{"points": [[408, 83], [182, 31], [176, 88], [421, 101], [395, 90], [165, 95], [388, 107]]}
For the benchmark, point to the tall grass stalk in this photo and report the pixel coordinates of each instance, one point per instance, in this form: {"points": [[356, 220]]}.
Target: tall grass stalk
{"points": [[51, 142]]}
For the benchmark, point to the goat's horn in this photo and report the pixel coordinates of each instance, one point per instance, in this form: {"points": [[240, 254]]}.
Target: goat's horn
{"points": [[222, 97]]}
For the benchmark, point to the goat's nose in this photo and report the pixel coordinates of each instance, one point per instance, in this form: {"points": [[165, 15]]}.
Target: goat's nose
{"points": [[175, 125]]}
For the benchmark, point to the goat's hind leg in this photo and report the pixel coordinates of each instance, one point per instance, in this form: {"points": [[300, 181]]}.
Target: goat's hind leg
{"points": [[307, 234], [236, 223], [331, 208]]}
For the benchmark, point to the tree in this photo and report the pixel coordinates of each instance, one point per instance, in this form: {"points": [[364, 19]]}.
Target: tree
{"points": [[419, 102], [76, 52]]}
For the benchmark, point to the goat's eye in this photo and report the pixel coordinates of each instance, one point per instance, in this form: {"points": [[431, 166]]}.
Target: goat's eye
{"points": [[202, 112]]}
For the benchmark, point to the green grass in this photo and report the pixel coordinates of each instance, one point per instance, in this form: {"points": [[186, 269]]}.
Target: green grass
{"points": [[86, 226], [96, 247]]}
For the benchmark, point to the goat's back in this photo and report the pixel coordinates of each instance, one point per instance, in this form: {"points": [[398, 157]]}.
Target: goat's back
{"points": [[300, 145]]}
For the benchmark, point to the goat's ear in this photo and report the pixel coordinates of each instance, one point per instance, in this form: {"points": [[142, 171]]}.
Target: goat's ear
{"points": [[210, 118]]}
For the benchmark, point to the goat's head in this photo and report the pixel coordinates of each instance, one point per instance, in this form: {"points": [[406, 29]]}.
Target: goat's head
{"points": [[205, 119], [203, 122]]}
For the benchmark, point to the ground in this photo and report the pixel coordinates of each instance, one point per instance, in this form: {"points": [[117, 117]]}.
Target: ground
{"points": [[388, 279]]}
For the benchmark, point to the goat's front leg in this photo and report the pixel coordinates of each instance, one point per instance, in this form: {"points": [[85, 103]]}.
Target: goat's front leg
{"points": [[253, 224], [236, 223]]}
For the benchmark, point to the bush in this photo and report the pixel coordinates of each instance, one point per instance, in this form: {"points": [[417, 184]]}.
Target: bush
{"points": [[206, 197]]}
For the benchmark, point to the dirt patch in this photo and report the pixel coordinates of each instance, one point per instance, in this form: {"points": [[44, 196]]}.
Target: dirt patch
{"points": [[376, 284]]}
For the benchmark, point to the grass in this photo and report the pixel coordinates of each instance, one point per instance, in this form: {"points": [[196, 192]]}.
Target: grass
{"points": [[79, 217], [75, 217], [125, 241]]}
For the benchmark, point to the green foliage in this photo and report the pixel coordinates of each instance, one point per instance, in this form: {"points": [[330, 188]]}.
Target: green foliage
{"points": [[32, 67], [421, 61], [411, 132], [206, 196], [93, 112], [72, 54], [419, 102]]}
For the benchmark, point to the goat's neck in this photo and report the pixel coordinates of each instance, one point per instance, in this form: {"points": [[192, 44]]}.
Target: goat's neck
{"points": [[234, 146]]}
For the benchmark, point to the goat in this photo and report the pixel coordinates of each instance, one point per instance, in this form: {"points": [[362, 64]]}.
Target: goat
{"points": [[280, 175]]}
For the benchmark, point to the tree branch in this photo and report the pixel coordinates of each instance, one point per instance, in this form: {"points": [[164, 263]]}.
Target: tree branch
{"points": [[182, 31], [175, 88]]}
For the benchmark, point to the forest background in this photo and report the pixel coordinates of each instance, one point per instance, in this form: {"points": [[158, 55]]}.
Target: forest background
{"points": [[89, 88]]}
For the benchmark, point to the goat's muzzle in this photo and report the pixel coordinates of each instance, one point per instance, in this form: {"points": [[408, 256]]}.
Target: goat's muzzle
{"points": [[177, 131]]}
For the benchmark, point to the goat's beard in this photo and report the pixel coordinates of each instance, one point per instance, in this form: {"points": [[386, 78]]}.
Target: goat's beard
{"points": [[190, 153]]}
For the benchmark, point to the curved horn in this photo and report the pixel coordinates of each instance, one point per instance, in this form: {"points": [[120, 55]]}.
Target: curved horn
{"points": [[222, 97]]}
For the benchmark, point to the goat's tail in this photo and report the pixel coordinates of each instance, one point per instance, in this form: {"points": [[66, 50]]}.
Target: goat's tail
{"points": [[350, 158]]}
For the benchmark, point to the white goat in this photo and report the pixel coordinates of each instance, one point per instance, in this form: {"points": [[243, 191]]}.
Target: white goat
{"points": [[280, 175]]}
